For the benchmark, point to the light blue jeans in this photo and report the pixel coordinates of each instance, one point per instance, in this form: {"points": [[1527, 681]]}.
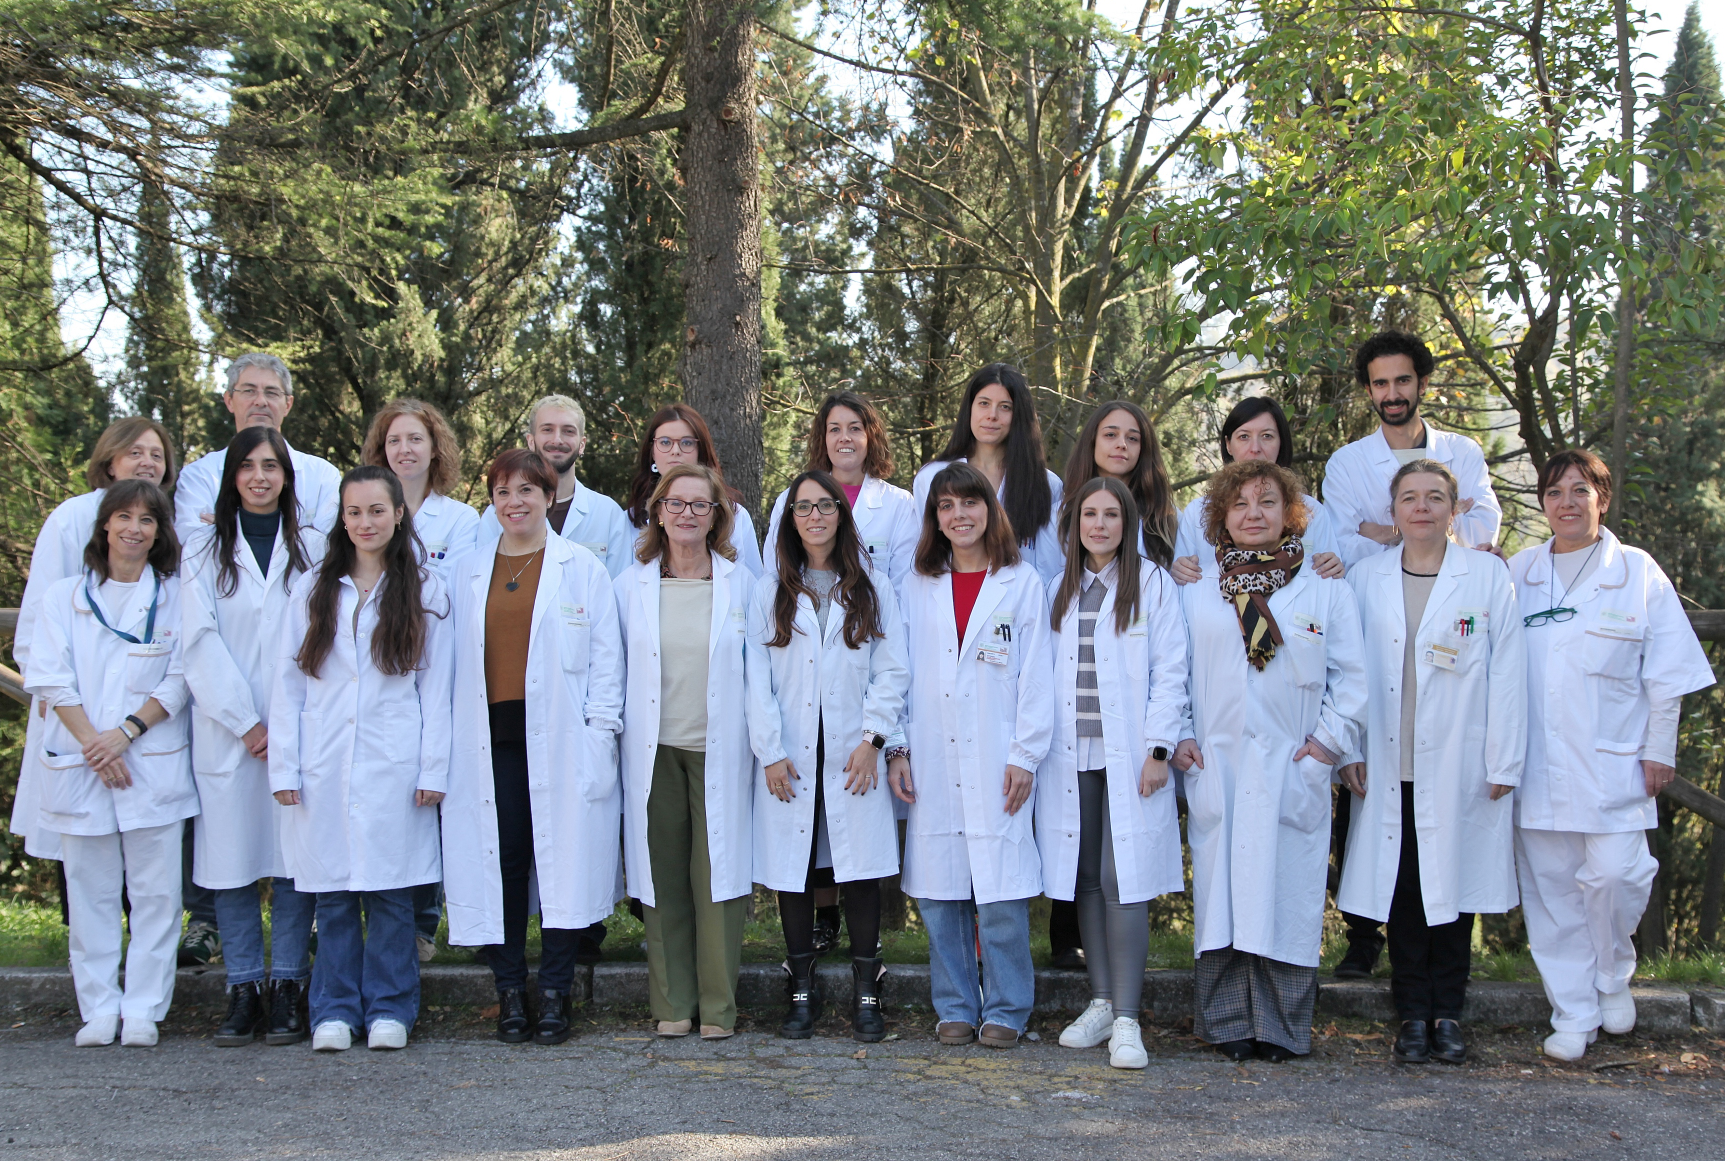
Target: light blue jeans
{"points": [[365, 971], [240, 919], [1008, 986]]}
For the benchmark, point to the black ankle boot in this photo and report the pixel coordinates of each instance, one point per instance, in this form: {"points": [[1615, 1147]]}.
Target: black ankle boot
{"points": [[1364, 947], [514, 1025], [826, 929], [804, 991], [245, 1016], [1447, 1044], [288, 1022], [1413, 1043], [553, 1026], [1237, 1050], [867, 1023]]}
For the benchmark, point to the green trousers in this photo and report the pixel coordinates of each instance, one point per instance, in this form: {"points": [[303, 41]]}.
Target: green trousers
{"points": [[694, 945]]}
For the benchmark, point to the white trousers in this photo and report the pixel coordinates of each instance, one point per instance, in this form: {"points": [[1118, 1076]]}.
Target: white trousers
{"points": [[146, 863], [1582, 896]]}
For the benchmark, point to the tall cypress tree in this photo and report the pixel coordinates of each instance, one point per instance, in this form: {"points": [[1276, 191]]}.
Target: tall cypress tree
{"points": [[161, 356]]}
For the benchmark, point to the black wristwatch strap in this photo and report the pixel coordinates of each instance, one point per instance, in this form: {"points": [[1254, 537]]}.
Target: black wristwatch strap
{"points": [[139, 722], [1160, 753], [878, 741]]}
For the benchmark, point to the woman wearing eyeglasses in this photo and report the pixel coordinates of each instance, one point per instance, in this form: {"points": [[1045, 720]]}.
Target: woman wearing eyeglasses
{"points": [[688, 769], [1610, 655], [678, 435]]}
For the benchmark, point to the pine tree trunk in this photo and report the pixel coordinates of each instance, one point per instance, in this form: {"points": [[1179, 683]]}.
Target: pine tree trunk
{"points": [[1712, 890], [722, 267]]}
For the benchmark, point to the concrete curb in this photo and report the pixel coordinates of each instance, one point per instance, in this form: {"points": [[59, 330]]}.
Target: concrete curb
{"points": [[1663, 1009]]}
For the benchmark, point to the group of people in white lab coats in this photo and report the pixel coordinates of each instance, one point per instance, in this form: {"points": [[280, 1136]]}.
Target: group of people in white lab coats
{"points": [[565, 700]]}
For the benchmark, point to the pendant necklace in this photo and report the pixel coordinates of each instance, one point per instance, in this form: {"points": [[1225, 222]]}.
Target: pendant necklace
{"points": [[515, 581]]}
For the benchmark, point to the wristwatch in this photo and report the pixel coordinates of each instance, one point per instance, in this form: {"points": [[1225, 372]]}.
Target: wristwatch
{"points": [[878, 741], [1160, 753]]}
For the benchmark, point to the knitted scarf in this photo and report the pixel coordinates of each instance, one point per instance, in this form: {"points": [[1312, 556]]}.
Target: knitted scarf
{"points": [[1249, 577]]}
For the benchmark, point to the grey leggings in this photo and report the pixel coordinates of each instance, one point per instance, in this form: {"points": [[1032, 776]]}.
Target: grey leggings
{"points": [[1116, 935]]}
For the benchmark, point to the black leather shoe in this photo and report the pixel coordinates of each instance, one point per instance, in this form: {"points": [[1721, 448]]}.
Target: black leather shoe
{"points": [[867, 1023], [288, 1021], [553, 1026], [1274, 1053], [514, 1025], [827, 921], [803, 992], [1362, 958], [1413, 1043], [1237, 1049], [1069, 959], [245, 1017], [1447, 1044]]}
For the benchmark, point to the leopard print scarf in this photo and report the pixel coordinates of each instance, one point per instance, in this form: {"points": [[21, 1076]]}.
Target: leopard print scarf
{"points": [[1249, 577]]}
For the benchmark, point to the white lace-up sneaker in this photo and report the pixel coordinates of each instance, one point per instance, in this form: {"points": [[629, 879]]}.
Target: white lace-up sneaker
{"points": [[1617, 1012], [332, 1036], [98, 1033], [1126, 1044], [1569, 1045], [1091, 1028], [136, 1032], [387, 1034]]}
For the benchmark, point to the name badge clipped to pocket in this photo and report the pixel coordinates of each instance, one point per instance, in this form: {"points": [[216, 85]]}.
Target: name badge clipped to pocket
{"points": [[876, 548], [1442, 657], [150, 649], [575, 616], [997, 646], [1470, 623], [1308, 627], [597, 550], [1619, 624], [436, 551]]}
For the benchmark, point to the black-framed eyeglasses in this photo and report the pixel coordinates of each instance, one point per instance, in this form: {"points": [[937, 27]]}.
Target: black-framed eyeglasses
{"points": [[1559, 615], [826, 507], [697, 507], [665, 443]]}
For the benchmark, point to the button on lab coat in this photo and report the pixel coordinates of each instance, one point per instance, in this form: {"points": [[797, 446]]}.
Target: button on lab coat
{"points": [[1470, 732], [1141, 685], [817, 684], [356, 743], [888, 522], [967, 720], [593, 521], [1357, 489], [1044, 552], [447, 529], [232, 647], [74, 660], [730, 763], [1589, 684], [1257, 821], [574, 710]]}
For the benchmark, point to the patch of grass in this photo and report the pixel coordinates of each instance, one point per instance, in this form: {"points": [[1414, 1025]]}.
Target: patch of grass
{"points": [[31, 935], [1707, 967]]}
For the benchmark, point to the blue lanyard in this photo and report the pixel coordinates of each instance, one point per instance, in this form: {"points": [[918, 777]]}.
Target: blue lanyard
{"points": [[149, 621]]}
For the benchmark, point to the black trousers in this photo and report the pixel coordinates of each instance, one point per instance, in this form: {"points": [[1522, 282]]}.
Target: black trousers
{"points": [[558, 946], [1359, 927], [1429, 965], [861, 896]]}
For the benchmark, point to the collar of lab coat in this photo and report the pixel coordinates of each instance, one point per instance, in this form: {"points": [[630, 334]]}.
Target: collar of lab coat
{"points": [[579, 501], [249, 563], [1383, 453], [136, 610], [1611, 573], [873, 492], [810, 623], [1454, 567], [648, 577], [557, 553]]}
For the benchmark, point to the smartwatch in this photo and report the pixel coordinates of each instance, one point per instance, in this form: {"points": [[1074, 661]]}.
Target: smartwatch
{"points": [[1160, 753], [878, 741]]}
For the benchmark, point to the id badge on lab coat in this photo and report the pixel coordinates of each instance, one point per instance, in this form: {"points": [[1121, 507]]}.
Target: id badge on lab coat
{"points": [[997, 646]]}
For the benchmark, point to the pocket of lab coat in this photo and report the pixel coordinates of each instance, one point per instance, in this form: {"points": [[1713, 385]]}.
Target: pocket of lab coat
{"points": [[599, 773], [1613, 658], [1615, 665], [146, 665], [67, 780], [1206, 799], [1307, 655], [576, 643], [215, 749], [1306, 796]]}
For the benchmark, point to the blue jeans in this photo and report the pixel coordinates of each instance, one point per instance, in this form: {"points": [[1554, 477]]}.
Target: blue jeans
{"points": [[1008, 987], [365, 972], [240, 919], [427, 909]]}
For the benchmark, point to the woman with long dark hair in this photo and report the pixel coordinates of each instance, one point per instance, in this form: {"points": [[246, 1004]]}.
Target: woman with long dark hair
{"points": [[996, 433], [116, 770], [1119, 443], [1105, 821], [240, 574], [359, 754], [826, 640], [678, 435]]}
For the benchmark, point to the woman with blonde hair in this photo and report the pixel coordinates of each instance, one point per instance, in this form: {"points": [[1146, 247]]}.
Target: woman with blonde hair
{"points": [[688, 769]]}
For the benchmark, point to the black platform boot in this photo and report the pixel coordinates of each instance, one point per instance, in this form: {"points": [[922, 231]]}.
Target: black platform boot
{"points": [[827, 920], [553, 1026], [514, 1025], [867, 1023], [804, 991], [245, 1016], [288, 1019], [1365, 944]]}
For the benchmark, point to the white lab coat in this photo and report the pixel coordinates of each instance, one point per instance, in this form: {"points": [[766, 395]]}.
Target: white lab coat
{"points": [[1258, 822], [594, 521], [743, 539], [316, 485], [1470, 726], [74, 660], [59, 553], [357, 743], [888, 523], [1357, 489], [814, 686], [574, 710], [1189, 541], [447, 529], [1589, 683], [967, 719], [232, 648], [730, 762], [1044, 552], [1141, 684]]}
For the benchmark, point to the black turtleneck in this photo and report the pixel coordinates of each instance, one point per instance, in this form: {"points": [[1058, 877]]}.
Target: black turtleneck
{"points": [[260, 532]]}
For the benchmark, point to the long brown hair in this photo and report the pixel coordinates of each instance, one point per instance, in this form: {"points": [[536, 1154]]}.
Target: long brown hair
{"points": [[398, 644], [877, 460], [646, 480], [855, 592], [117, 439], [1029, 500], [1125, 560], [122, 494], [445, 470], [225, 543], [961, 481], [654, 543], [1152, 495]]}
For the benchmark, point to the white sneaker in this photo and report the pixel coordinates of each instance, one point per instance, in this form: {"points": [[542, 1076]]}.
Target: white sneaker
{"points": [[137, 1033], [1126, 1044], [1617, 1012], [1091, 1028], [427, 949], [387, 1034], [332, 1036], [98, 1033], [1567, 1045]]}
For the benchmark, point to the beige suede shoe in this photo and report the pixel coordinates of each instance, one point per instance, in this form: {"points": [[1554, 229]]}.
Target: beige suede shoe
{"points": [[671, 1029]]}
